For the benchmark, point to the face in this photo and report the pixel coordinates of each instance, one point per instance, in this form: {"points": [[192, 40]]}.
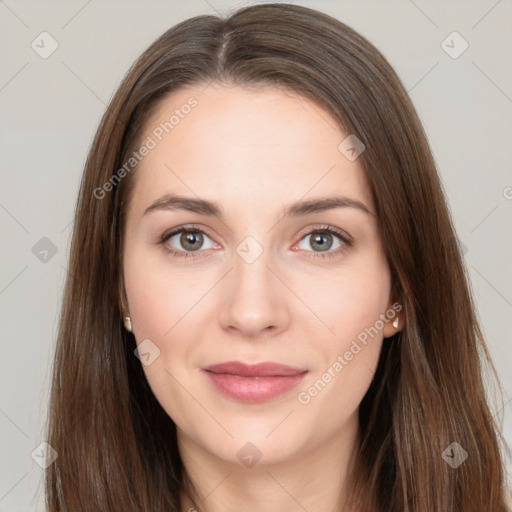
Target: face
{"points": [[252, 266]]}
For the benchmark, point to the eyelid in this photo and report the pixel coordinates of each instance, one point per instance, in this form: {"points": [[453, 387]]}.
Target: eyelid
{"points": [[343, 235], [184, 227]]}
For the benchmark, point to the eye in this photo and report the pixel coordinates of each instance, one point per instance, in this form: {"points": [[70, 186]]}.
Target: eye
{"points": [[185, 240], [326, 240], [189, 241]]}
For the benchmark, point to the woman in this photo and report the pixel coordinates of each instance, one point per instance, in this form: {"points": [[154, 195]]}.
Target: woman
{"points": [[266, 306]]}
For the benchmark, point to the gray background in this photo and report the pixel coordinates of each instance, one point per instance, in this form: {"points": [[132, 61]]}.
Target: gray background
{"points": [[51, 108]]}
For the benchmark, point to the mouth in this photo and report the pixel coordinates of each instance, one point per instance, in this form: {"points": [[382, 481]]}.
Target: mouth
{"points": [[253, 383]]}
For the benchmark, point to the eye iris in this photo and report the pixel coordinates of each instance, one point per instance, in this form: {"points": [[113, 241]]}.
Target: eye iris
{"points": [[322, 240], [189, 238]]}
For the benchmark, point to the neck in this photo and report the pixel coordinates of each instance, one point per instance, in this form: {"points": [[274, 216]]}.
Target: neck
{"points": [[312, 480]]}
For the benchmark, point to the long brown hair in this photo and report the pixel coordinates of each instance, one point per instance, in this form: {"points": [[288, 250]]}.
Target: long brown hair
{"points": [[117, 447]]}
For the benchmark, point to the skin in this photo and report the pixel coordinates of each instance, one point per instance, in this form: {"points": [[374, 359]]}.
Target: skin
{"points": [[254, 152]]}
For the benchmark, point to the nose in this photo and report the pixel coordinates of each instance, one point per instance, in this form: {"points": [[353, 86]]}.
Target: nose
{"points": [[255, 301]]}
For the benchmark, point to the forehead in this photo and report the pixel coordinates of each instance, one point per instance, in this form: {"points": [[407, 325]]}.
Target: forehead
{"points": [[271, 116], [270, 144]]}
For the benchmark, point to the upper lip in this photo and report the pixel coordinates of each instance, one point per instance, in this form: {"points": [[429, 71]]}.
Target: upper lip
{"points": [[267, 369]]}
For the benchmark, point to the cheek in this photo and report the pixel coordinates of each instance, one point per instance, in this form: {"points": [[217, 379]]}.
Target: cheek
{"points": [[149, 309], [159, 296], [348, 300], [159, 301], [347, 360]]}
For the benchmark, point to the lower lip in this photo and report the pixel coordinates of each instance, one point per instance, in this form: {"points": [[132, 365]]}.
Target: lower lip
{"points": [[254, 389]]}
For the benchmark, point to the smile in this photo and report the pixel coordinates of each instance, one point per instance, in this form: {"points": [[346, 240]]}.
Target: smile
{"points": [[253, 383]]}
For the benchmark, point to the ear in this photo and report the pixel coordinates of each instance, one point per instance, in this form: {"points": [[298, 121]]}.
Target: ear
{"points": [[395, 319]]}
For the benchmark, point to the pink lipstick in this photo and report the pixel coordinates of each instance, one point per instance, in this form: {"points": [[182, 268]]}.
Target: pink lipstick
{"points": [[253, 383]]}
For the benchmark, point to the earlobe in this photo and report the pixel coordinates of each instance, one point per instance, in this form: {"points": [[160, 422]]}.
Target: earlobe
{"points": [[395, 322], [392, 327], [128, 323]]}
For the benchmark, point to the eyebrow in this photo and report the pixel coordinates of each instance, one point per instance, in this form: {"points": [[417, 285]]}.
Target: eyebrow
{"points": [[202, 206]]}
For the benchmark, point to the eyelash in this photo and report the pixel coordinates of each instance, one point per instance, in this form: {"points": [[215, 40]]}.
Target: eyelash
{"points": [[345, 240]]}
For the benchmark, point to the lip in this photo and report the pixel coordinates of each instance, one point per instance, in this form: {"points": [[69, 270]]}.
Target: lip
{"points": [[253, 383], [267, 369]]}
